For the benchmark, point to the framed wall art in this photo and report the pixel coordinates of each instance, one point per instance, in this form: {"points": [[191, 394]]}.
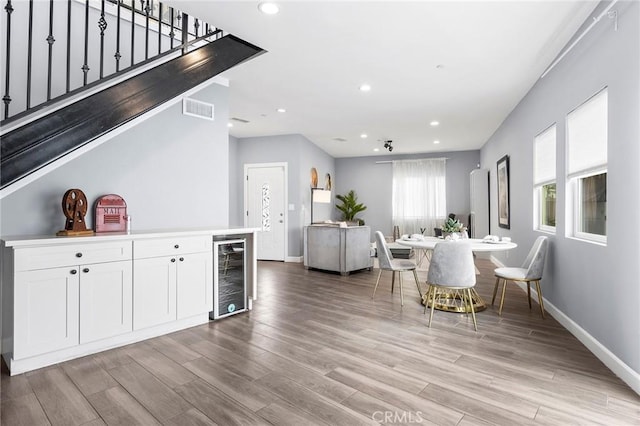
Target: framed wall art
{"points": [[504, 211]]}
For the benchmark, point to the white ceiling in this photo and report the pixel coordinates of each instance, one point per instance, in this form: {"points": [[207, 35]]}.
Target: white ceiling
{"points": [[319, 53]]}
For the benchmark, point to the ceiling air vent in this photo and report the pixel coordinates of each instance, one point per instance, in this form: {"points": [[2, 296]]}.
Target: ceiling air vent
{"points": [[197, 108], [239, 120]]}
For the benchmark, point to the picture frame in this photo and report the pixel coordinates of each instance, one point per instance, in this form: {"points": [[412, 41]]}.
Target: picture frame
{"points": [[504, 210]]}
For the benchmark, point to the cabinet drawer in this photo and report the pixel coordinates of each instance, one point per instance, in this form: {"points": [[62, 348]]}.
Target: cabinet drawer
{"points": [[54, 256], [170, 246]]}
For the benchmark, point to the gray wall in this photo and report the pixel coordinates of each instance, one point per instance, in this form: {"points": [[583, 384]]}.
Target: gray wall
{"points": [[171, 170], [300, 155], [595, 286], [373, 184]]}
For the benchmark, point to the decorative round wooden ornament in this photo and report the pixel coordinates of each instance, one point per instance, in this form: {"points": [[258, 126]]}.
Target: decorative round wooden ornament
{"points": [[74, 207]]}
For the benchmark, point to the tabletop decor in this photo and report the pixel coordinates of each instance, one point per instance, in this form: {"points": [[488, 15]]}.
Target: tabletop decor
{"points": [[74, 207], [350, 207], [111, 214], [453, 228]]}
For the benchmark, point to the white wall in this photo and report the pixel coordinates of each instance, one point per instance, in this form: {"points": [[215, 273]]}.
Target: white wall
{"points": [[593, 288], [171, 169]]}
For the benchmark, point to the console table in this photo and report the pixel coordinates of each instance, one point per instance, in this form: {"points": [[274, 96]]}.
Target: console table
{"points": [[332, 248]]}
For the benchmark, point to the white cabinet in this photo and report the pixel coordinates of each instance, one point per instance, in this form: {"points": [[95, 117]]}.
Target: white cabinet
{"points": [[59, 303], [177, 284], [154, 291], [105, 300], [46, 310], [194, 284], [66, 297]]}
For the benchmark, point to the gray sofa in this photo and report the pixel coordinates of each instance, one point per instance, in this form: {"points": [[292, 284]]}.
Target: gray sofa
{"points": [[332, 248]]}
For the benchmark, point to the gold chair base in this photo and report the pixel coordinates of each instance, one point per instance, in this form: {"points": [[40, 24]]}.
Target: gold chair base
{"points": [[451, 300]]}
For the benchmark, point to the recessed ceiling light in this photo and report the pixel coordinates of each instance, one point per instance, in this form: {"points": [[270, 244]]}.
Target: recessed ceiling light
{"points": [[376, 149], [281, 110], [434, 123], [436, 142], [363, 136], [268, 8], [229, 124], [365, 88]]}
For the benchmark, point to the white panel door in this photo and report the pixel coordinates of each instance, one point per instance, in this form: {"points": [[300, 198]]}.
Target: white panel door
{"points": [[195, 284], [105, 300], [46, 311], [265, 209], [154, 291]]}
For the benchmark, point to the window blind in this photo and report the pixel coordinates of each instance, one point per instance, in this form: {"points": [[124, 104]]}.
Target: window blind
{"points": [[544, 156], [587, 135]]}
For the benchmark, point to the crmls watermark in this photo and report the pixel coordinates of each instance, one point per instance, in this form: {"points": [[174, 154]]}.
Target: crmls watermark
{"points": [[397, 417]]}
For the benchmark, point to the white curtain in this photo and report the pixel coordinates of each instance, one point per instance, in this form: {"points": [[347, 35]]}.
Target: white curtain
{"points": [[419, 195]]}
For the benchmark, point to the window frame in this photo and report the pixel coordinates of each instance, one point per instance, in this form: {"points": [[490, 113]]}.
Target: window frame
{"points": [[574, 179], [538, 204], [575, 183]]}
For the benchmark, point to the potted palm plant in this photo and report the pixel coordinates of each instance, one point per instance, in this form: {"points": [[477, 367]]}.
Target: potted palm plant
{"points": [[350, 207]]}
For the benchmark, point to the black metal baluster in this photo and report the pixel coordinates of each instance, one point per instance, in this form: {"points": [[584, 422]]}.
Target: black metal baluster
{"points": [[172, 33], [85, 66], [6, 98], [159, 28], [133, 28], [117, 55], [102, 24], [68, 46], [29, 53], [185, 32], [146, 37], [50, 40]]}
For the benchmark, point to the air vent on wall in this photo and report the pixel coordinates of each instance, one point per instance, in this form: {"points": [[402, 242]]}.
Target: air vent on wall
{"points": [[240, 120], [197, 108]]}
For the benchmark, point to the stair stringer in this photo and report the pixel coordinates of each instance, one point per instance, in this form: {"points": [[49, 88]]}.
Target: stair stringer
{"points": [[33, 150]]}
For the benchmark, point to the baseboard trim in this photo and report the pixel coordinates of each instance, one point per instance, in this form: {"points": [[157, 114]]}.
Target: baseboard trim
{"points": [[293, 259], [615, 364]]}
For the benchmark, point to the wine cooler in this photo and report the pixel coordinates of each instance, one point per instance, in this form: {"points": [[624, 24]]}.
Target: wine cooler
{"points": [[229, 278]]}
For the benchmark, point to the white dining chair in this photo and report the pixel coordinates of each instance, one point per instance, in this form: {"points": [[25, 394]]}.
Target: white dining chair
{"points": [[452, 268], [386, 262], [530, 271]]}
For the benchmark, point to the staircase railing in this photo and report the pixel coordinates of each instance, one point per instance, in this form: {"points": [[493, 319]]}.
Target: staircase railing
{"points": [[58, 48]]}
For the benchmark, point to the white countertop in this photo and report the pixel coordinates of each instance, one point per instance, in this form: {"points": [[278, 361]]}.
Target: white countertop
{"points": [[34, 240]]}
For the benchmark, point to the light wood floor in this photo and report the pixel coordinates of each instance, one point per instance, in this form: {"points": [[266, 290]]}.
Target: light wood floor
{"points": [[317, 350]]}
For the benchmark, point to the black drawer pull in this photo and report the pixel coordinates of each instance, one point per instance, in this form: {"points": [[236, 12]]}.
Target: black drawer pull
{"points": [[78, 254], [85, 270], [73, 272], [173, 260], [181, 259], [176, 246]]}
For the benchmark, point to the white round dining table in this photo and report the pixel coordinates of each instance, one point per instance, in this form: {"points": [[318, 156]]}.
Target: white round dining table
{"points": [[450, 300], [476, 245]]}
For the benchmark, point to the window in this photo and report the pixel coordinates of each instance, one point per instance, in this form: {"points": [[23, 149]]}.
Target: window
{"points": [[544, 180], [587, 169], [419, 195]]}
